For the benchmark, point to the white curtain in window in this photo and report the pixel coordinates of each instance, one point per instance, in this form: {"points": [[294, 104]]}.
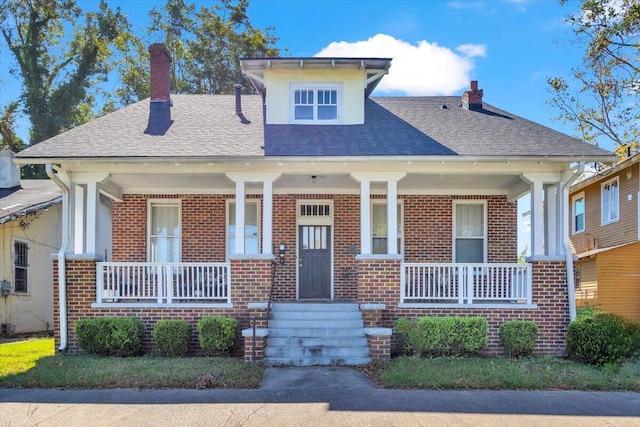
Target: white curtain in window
{"points": [[469, 242], [165, 233], [469, 220]]}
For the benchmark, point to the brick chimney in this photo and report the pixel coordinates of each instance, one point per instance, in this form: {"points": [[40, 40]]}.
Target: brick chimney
{"points": [[9, 171], [160, 73], [472, 99]]}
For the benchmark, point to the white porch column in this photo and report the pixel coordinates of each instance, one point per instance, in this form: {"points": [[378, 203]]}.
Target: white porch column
{"points": [[551, 226], [267, 217], [365, 179], [240, 208], [562, 222], [392, 217], [78, 219], [365, 217], [92, 217], [537, 219]]}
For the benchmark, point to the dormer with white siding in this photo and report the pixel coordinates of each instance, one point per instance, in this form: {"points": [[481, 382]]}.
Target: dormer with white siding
{"points": [[315, 91]]}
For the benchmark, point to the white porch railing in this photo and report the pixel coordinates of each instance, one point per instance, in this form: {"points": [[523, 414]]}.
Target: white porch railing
{"points": [[163, 283], [466, 283]]}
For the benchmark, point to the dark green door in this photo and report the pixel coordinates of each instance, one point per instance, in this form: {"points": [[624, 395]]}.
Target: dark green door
{"points": [[314, 264]]}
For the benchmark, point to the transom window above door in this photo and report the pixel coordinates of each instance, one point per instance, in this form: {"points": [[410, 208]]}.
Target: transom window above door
{"points": [[315, 103]]}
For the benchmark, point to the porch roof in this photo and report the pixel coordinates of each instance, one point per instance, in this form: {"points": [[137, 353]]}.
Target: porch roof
{"points": [[207, 128]]}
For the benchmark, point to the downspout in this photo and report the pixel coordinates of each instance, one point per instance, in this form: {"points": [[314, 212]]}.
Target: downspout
{"points": [[567, 247], [62, 284]]}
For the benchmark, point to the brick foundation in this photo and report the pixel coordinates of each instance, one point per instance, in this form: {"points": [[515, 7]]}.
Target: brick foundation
{"points": [[379, 282], [250, 281]]}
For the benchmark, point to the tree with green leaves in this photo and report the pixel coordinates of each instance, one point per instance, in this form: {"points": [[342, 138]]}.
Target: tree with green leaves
{"points": [[61, 53], [206, 45], [7, 128], [601, 98]]}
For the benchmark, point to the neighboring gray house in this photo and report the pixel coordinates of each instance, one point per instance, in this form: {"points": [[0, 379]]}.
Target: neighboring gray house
{"points": [[30, 231]]}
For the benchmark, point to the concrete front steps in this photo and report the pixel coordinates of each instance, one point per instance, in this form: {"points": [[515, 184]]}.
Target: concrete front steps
{"points": [[308, 334]]}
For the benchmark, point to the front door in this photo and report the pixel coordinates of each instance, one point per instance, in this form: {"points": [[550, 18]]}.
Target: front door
{"points": [[314, 263]]}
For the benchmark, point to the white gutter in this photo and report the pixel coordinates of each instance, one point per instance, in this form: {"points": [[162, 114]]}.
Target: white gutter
{"points": [[567, 248], [62, 283]]}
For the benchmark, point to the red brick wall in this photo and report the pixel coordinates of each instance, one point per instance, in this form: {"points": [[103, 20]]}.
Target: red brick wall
{"points": [[427, 229], [346, 231], [284, 231], [379, 282], [250, 281]]}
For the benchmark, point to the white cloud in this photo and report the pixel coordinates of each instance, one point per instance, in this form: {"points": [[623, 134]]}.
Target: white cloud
{"points": [[421, 69]]}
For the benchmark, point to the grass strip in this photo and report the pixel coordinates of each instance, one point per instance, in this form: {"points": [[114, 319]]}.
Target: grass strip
{"points": [[86, 372], [542, 373]]}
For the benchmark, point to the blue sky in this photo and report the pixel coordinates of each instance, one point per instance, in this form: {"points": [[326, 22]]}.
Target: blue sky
{"points": [[437, 46]]}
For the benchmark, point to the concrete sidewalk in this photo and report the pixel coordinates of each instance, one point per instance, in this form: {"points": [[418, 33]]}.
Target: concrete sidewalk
{"points": [[316, 397]]}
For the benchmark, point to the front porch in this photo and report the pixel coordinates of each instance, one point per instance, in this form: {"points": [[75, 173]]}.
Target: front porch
{"points": [[442, 285], [378, 240]]}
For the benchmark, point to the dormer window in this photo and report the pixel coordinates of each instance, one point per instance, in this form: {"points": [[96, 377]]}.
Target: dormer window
{"points": [[315, 103]]}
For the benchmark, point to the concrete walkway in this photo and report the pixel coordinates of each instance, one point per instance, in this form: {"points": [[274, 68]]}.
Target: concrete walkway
{"points": [[315, 397]]}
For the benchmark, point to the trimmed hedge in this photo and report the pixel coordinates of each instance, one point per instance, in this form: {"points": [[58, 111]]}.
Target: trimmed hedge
{"points": [[110, 336], [599, 340], [172, 337], [443, 336], [217, 334], [518, 337]]}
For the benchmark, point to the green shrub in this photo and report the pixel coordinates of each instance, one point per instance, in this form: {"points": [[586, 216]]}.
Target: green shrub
{"points": [[172, 337], [518, 337], [633, 330], [217, 334], [598, 340], [438, 336], [110, 336]]}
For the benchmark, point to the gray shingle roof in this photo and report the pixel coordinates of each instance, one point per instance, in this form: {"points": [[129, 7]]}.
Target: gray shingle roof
{"points": [[207, 126], [35, 194], [196, 125]]}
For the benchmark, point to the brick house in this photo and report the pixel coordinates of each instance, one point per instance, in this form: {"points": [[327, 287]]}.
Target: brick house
{"points": [[605, 237], [385, 207]]}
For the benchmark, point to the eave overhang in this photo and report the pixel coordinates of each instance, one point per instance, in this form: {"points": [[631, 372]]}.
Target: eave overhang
{"points": [[255, 68]]}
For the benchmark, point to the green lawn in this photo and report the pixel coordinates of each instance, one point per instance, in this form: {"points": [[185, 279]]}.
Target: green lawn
{"points": [[543, 373], [20, 356], [32, 364]]}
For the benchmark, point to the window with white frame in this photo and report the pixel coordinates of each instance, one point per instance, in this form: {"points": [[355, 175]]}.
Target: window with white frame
{"points": [[164, 231], [20, 266], [251, 227], [470, 232], [578, 207], [610, 201], [315, 103], [379, 227]]}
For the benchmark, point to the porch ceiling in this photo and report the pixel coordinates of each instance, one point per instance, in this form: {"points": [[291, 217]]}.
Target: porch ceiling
{"points": [[215, 183]]}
